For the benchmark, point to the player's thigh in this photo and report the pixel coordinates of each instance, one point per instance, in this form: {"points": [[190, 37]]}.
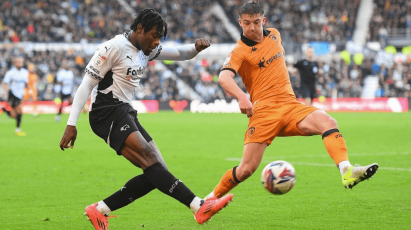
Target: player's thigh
{"points": [[294, 114], [316, 123]]}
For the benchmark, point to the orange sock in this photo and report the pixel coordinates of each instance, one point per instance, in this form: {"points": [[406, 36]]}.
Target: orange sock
{"points": [[227, 182], [335, 145]]}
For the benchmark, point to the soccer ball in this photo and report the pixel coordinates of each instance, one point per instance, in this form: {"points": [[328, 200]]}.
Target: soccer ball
{"points": [[278, 177]]}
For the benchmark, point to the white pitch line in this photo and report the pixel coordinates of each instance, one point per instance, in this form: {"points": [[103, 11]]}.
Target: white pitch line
{"points": [[322, 165]]}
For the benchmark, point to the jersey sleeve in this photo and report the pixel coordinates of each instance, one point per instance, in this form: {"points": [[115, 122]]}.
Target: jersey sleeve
{"points": [[298, 64], [7, 78], [103, 60], [233, 62]]}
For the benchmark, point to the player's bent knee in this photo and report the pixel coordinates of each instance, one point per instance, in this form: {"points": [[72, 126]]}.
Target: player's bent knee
{"points": [[244, 172]]}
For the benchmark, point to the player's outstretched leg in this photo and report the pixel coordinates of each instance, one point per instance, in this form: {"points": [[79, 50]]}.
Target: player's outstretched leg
{"points": [[212, 206], [97, 219], [355, 174]]}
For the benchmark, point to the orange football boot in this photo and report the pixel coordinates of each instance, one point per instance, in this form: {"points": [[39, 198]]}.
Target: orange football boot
{"points": [[97, 219], [212, 206]]}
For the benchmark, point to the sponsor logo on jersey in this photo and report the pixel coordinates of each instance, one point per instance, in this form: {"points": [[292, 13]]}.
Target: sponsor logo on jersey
{"points": [[134, 73], [227, 59], [269, 61], [253, 49], [129, 57], [94, 69], [100, 59]]}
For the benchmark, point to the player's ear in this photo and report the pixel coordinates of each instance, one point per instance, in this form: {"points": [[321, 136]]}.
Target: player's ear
{"points": [[264, 20], [139, 29]]}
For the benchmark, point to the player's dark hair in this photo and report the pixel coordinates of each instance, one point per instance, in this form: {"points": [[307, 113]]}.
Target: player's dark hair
{"points": [[148, 18], [251, 8]]}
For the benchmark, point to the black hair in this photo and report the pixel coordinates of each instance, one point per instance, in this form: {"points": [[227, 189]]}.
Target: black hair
{"points": [[251, 8], [148, 18]]}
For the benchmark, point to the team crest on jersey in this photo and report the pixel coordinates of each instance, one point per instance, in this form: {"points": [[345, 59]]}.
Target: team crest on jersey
{"points": [[100, 59], [272, 36], [250, 132]]}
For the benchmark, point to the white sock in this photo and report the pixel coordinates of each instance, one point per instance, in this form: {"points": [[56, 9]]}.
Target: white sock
{"points": [[343, 165], [103, 208], [195, 204], [17, 130], [209, 195]]}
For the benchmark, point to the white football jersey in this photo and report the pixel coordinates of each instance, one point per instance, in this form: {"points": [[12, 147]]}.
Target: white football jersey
{"points": [[16, 80], [66, 77], [119, 66]]}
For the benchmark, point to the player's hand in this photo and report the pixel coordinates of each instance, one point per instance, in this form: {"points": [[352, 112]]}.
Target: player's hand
{"points": [[69, 137], [202, 44], [246, 106]]}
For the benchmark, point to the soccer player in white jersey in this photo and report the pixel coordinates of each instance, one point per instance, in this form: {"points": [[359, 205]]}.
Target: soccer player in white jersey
{"points": [[113, 74], [65, 78], [14, 82]]}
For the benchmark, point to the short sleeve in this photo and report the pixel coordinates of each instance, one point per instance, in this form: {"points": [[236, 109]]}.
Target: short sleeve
{"points": [[233, 62], [7, 78], [155, 53], [103, 60]]}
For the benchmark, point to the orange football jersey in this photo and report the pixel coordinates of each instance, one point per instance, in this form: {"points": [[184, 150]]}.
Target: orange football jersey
{"points": [[261, 66], [32, 80]]}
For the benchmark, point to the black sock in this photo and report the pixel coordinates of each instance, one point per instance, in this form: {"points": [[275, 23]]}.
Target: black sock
{"points": [[18, 119], [164, 181], [8, 112], [131, 191], [61, 108]]}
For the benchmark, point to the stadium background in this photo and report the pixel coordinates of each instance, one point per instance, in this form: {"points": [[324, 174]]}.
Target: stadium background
{"points": [[363, 47], [365, 62]]}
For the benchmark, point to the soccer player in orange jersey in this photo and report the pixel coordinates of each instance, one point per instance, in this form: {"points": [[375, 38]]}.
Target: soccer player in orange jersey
{"points": [[31, 90], [258, 57]]}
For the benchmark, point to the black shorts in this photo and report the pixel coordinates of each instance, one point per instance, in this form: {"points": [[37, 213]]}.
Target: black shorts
{"points": [[115, 124], [64, 96], [13, 101], [308, 91]]}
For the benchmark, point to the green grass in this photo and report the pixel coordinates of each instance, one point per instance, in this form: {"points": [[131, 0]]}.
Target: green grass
{"points": [[42, 187]]}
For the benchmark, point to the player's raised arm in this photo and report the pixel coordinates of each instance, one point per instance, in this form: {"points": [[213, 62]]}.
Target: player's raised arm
{"points": [[184, 52], [80, 99], [230, 86]]}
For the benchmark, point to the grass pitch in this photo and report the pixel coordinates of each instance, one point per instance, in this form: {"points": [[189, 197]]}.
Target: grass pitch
{"points": [[42, 187]]}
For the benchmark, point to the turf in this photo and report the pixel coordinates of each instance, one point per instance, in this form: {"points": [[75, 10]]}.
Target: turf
{"points": [[42, 187]]}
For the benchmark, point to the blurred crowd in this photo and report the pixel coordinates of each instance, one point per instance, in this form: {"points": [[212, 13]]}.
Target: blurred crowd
{"points": [[393, 16], [90, 21], [305, 20]]}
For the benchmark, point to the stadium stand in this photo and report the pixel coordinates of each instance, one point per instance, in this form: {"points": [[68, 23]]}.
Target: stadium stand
{"points": [[298, 21]]}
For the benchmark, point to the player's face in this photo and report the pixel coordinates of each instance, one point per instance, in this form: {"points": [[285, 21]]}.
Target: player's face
{"points": [[18, 63], [31, 68], [252, 26], [148, 40]]}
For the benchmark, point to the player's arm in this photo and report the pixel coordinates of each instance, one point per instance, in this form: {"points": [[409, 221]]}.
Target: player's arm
{"points": [[80, 99], [184, 52], [226, 80], [5, 83]]}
